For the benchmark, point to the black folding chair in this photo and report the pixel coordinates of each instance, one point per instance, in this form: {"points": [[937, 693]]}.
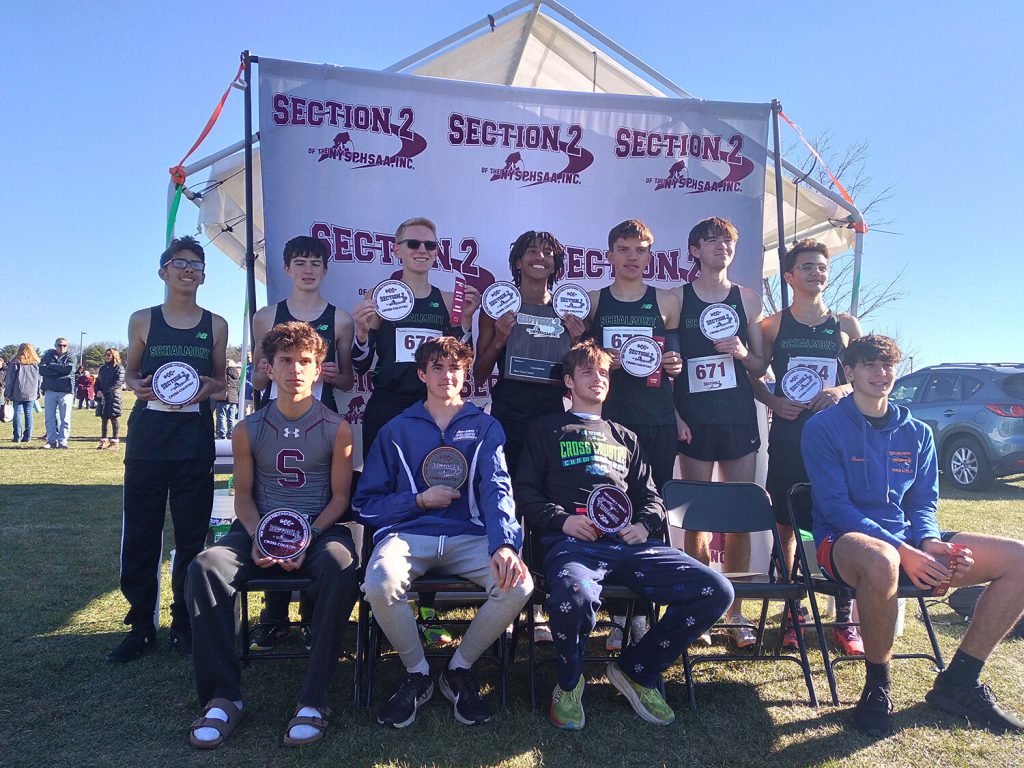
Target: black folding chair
{"points": [[738, 508], [534, 558], [798, 501], [372, 636], [287, 583]]}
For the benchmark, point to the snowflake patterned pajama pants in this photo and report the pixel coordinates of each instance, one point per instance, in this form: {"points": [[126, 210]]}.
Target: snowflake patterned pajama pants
{"points": [[694, 596]]}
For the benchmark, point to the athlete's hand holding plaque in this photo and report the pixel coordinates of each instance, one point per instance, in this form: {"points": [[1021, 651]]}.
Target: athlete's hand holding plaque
{"points": [[445, 466], [801, 383], [570, 299], [609, 509], [175, 384], [393, 300], [283, 534]]}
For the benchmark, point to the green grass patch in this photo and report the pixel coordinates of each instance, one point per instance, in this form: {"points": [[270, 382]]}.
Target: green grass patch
{"points": [[64, 705]]}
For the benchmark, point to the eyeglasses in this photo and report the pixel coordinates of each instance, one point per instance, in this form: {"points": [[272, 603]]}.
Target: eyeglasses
{"points": [[429, 245], [197, 266], [821, 269]]}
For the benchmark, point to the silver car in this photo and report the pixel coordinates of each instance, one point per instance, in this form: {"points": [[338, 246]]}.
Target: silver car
{"points": [[976, 412]]}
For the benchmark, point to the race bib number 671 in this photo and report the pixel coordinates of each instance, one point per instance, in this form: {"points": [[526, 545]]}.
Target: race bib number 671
{"points": [[711, 373]]}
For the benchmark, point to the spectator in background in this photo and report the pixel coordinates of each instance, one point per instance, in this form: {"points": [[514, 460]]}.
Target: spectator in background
{"points": [[84, 392], [21, 386], [109, 380], [227, 408], [56, 368], [3, 372]]}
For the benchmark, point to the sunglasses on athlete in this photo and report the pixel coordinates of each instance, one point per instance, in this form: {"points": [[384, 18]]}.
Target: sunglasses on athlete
{"points": [[429, 245], [197, 266]]}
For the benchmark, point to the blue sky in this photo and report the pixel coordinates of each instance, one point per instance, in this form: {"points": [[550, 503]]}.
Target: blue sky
{"points": [[101, 98]]}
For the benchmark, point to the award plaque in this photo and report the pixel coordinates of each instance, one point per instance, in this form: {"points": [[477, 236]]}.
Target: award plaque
{"points": [[640, 356], [942, 588], [801, 383], [445, 466], [719, 321], [458, 301], [501, 297], [570, 299], [283, 534], [609, 509], [175, 383], [393, 300]]}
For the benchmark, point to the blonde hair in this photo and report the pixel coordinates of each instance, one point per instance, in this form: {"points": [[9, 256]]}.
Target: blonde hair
{"points": [[26, 355], [419, 221], [115, 354]]}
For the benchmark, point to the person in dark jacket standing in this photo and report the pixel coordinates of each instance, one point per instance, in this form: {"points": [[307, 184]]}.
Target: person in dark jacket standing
{"points": [[56, 368], [22, 388], [108, 394], [227, 404]]}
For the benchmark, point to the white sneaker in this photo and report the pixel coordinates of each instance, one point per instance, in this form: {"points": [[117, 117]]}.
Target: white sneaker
{"points": [[743, 635]]}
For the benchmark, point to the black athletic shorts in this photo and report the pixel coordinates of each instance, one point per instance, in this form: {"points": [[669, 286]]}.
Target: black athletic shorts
{"points": [[721, 442], [785, 469]]}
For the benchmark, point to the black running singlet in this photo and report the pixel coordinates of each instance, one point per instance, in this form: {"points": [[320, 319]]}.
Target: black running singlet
{"points": [[630, 400], [394, 376], [158, 435], [515, 400], [713, 388], [818, 346], [324, 326]]}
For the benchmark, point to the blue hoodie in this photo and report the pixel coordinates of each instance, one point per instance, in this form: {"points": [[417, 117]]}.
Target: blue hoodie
{"points": [[392, 476], [882, 482]]}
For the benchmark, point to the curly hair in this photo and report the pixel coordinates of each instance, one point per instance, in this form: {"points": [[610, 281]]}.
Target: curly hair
{"points": [[444, 348], [541, 239], [584, 354], [293, 336], [868, 349]]}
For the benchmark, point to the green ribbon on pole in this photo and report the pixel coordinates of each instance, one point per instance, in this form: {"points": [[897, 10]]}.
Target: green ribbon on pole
{"points": [[172, 215]]}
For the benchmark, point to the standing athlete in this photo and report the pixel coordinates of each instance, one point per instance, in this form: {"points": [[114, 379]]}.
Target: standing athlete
{"points": [[169, 451], [714, 400], [807, 333]]}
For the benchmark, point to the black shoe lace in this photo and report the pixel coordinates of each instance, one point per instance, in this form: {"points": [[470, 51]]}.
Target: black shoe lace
{"points": [[986, 695]]}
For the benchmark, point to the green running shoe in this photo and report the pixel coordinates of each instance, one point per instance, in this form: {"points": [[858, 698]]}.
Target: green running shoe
{"points": [[567, 708], [646, 702], [434, 634]]}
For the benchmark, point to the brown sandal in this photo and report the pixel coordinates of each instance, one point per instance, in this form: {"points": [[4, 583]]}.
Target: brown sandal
{"points": [[320, 723], [224, 729]]}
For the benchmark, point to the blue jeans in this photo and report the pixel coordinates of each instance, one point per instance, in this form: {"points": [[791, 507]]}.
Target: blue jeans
{"points": [[58, 417], [227, 415], [23, 421]]}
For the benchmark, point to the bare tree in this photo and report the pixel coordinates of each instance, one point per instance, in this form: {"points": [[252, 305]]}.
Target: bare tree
{"points": [[850, 166]]}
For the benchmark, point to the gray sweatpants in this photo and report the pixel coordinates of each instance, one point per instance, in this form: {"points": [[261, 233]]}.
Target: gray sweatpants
{"points": [[402, 557]]}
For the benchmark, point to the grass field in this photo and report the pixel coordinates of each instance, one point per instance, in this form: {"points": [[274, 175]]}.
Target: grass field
{"points": [[64, 705]]}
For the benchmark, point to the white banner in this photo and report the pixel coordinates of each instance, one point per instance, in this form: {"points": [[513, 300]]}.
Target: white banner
{"points": [[349, 154]]}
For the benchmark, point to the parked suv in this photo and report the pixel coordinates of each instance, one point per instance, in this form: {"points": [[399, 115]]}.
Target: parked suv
{"points": [[976, 412]]}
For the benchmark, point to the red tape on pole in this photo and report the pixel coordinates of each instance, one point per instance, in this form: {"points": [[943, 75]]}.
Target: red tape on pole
{"points": [[178, 171], [857, 227]]}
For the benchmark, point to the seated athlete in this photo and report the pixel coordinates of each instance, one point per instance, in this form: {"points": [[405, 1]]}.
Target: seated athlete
{"points": [[449, 511], [297, 454], [566, 456], [875, 488]]}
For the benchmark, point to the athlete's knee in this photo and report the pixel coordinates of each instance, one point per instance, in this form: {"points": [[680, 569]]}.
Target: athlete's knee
{"points": [[382, 584], [520, 593], [715, 590], [875, 568]]}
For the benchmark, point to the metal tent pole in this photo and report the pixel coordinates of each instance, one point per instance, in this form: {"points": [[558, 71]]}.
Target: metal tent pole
{"points": [[250, 252], [781, 223]]}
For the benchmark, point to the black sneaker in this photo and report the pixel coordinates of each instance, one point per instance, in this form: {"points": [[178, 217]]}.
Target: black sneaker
{"points": [[873, 714], [459, 687], [137, 642], [266, 636], [977, 703], [400, 710], [180, 641]]}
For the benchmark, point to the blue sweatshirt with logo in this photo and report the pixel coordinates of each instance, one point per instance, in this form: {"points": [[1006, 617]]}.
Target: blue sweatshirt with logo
{"points": [[882, 482], [393, 475]]}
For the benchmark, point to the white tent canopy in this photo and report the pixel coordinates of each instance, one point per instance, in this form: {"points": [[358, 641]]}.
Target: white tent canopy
{"points": [[527, 47]]}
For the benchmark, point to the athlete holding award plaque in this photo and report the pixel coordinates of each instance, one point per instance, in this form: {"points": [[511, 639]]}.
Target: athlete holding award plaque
{"points": [[587, 490], [806, 340], [176, 359], [435, 490], [720, 340], [397, 317], [293, 475]]}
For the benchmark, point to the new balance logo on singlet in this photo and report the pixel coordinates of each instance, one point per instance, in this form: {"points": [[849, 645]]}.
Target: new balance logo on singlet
{"points": [[291, 432]]}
